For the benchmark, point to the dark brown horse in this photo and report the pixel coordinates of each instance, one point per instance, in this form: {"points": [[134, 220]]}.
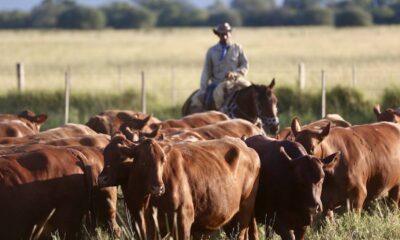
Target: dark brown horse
{"points": [[255, 103]]}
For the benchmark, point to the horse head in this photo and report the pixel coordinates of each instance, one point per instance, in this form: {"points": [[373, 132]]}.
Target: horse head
{"points": [[257, 104]]}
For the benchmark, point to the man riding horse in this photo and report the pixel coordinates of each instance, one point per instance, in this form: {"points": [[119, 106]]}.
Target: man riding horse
{"points": [[225, 67]]}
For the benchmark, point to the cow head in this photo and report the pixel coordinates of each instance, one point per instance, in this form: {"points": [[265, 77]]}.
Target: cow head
{"points": [[308, 177], [133, 121], [389, 115], [117, 161], [100, 124], [135, 135], [34, 121], [150, 159], [309, 138]]}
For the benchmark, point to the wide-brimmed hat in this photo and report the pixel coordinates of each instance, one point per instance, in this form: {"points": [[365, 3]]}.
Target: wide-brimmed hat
{"points": [[222, 28]]}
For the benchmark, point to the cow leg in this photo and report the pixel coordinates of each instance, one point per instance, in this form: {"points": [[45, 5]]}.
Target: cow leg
{"points": [[394, 194], [299, 232], [358, 197], [185, 221], [253, 230], [284, 232]]}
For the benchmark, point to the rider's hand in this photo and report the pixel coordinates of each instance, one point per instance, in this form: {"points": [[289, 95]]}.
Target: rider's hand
{"points": [[230, 75]]}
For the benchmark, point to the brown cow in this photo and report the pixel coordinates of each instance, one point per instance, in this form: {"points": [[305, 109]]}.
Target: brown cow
{"points": [[42, 179], [335, 119], [231, 128], [389, 115], [25, 123], [369, 166], [206, 184], [290, 185], [109, 121], [65, 131]]}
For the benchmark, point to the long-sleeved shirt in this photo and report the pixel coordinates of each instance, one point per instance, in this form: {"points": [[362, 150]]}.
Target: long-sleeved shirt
{"points": [[215, 69]]}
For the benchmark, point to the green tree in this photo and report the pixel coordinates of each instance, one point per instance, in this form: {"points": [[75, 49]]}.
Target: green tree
{"points": [[46, 13], [225, 15], [124, 15], [13, 20], [79, 17], [248, 9]]}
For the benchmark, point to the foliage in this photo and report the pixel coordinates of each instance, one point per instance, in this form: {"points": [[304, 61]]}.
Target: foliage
{"points": [[352, 16], [317, 16], [13, 20], [384, 15], [123, 15], [225, 15], [391, 98], [78, 17], [45, 14]]}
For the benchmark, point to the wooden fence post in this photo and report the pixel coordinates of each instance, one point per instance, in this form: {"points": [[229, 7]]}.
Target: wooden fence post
{"points": [[323, 93], [302, 76], [66, 95], [20, 77], [143, 93], [354, 76]]}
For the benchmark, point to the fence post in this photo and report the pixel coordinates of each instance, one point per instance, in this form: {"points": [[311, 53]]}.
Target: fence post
{"points": [[323, 94], [302, 76], [173, 86], [354, 76], [66, 95], [143, 93], [20, 77]]}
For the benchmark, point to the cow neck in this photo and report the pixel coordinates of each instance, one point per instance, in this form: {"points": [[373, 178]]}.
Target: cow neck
{"points": [[87, 172]]}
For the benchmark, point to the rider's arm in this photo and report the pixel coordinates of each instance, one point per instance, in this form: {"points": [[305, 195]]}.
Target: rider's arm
{"points": [[243, 63], [207, 72]]}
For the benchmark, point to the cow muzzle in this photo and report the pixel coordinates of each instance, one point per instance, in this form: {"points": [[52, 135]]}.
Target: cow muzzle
{"points": [[157, 190], [315, 209], [103, 180], [270, 124]]}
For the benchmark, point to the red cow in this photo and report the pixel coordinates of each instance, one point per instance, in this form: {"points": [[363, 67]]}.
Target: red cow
{"points": [[25, 123], [369, 166], [290, 186], [206, 184]]}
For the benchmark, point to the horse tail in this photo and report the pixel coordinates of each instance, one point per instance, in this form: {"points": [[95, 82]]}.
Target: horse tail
{"points": [[186, 106]]}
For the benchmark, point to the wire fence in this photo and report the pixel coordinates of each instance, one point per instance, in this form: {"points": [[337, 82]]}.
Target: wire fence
{"points": [[174, 84]]}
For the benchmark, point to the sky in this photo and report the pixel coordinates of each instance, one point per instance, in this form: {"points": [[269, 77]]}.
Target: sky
{"points": [[26, 5]]}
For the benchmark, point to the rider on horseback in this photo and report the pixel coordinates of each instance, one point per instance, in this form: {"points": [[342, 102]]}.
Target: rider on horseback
{"points": [[225, 67]]}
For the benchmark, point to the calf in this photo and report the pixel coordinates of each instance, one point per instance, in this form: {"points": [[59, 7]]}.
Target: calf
{"points": [[206, 184], [25, 123], [389, 115], [369, 166], [290, 186]]}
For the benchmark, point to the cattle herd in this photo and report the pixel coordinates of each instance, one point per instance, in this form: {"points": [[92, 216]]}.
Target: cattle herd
{"points": [[187, 177]]}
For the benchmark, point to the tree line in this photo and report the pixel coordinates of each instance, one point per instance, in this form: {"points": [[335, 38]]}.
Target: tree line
{"points": [[139, 14]]}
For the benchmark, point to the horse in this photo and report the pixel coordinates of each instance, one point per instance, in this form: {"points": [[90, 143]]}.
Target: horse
{"points": [[256, 103]]}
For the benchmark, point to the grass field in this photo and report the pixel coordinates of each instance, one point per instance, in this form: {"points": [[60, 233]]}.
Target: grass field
{"points": [[112, 60]]}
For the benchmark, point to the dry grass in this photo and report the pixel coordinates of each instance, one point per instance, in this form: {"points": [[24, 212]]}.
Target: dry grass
{"points": [[111, 60]]}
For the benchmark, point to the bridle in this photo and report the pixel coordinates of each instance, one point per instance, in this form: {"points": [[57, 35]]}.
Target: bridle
{"points": [[232, 109]]}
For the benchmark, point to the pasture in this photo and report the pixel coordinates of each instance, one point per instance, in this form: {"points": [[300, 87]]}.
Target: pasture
{"points": [[113, 60]]}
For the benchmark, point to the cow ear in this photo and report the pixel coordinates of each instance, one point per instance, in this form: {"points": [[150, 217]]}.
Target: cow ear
{"points": [[284, 155], [377, 110], [272, 84], [295, 126], [155, 133], [331, 161], [40, 119], [325, 131]]}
